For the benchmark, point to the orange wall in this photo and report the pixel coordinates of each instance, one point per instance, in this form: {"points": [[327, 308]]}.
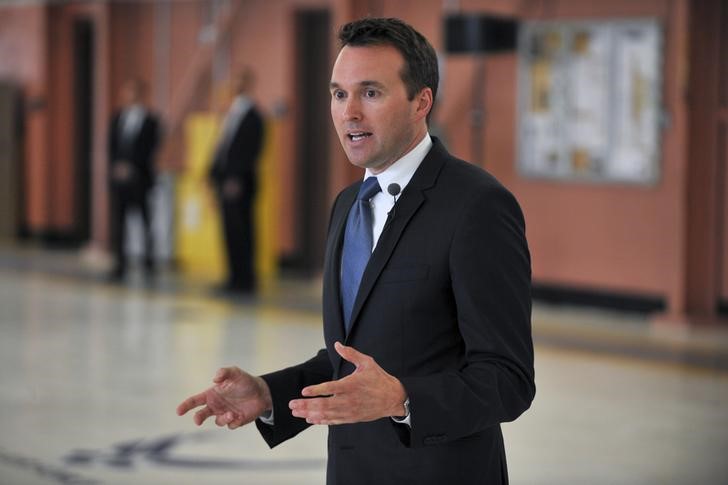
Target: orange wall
{"points": [[132, 46]]}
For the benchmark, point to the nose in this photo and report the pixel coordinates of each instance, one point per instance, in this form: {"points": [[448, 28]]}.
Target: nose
{"points": [[352, 109]]}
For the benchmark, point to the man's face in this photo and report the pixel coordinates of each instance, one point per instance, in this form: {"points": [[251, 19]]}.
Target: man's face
{"points": [[374, 120], [130, 93], [242, 82]]}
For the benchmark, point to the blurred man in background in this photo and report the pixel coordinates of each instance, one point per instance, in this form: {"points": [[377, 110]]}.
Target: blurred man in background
{"points": [[233, 174], [133, 139]]}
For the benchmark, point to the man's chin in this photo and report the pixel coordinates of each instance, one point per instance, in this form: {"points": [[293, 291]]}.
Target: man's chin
{"points": [[358, 165], [357, 160]]}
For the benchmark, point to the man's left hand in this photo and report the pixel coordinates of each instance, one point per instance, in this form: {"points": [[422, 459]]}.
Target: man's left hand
{"points": [[367, 394], [122, 171], [231, 189]]}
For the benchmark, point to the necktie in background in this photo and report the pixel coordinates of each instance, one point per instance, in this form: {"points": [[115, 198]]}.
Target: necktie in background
{"points": [[357, 246]]}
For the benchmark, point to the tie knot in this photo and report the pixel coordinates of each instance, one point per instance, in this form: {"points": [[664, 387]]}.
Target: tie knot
{"points": [[369, 188]]}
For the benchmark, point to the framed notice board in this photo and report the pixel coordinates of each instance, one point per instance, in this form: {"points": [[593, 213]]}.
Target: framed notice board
{"points": [[589, 100]]}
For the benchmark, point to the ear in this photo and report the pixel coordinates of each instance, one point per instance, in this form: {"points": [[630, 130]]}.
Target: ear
{"points": [[424, 103]]}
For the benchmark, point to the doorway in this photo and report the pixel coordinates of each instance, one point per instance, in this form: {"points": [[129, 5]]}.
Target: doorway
{"points": [[83, 42], [707, 231], [312, 38]]}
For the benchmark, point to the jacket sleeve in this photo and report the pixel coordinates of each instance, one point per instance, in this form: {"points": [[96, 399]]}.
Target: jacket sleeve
{"points": [[491, 283], [286, 385]]}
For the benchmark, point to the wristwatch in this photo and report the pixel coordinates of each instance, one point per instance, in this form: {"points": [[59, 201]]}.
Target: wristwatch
{"points": [[406, 418], [406, 409]]}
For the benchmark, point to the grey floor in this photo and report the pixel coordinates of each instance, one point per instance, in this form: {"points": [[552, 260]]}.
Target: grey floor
{"points": [[90, 375]]}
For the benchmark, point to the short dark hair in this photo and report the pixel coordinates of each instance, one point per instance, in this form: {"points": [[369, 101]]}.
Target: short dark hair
{"points": [[420, 61]]}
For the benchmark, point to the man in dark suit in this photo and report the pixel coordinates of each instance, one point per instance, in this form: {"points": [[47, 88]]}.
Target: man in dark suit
{"points": [[233, 174], [133, 138], [432, 349]]}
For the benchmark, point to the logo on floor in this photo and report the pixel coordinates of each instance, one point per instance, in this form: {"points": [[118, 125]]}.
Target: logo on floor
{"points": [[164, 451]]}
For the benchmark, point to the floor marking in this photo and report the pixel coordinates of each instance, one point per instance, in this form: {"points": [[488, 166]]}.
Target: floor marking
{"points": [[161, 451], [47, 470]]}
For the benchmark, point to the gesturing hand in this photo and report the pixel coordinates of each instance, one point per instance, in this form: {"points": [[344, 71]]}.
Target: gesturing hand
{"points": [[237, 398], [367, 394]]}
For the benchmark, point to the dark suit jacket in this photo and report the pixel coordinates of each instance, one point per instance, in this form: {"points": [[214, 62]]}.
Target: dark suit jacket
{"points": [[140, 151], [444, 305], [238, 159]]}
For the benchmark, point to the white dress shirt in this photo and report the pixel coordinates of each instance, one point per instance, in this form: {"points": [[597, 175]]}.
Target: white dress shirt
{"points": [[237, 111], [132, 119], [400, 172]]}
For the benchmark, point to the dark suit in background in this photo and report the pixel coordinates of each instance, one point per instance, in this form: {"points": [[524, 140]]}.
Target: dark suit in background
{"points": [[444, 305], [131, 150], [236, 161]]}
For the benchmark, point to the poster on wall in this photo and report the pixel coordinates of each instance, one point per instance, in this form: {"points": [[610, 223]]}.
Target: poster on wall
{"points": [[588, 100]]}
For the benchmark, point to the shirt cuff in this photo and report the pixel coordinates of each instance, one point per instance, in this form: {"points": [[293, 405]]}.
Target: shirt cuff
{"points": [[406, 419], [267, 418]]}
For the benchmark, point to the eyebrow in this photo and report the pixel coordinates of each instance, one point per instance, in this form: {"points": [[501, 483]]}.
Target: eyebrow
{"points": [[367, 83]]}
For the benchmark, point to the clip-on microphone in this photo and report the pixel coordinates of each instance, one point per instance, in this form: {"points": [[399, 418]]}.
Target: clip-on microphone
{"points": [[394, 190]]}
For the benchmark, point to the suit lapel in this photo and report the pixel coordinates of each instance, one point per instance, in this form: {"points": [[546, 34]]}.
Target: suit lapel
{"points": [[409, 202]]}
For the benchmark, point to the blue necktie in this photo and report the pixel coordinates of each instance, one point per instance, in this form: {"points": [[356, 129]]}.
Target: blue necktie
{"points": [[357, 246]]}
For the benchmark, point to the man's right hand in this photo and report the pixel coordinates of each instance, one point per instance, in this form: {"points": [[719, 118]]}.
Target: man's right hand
{"points": [[122, 171], [236, 399]]}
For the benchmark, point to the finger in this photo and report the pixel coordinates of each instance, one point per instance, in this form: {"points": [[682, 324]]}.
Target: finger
{"points": [[191, 402], [303, 407], [326, 389], [323, 405], [311, 416], [222, 374], [351, 354], [202, 415], [224, 419], [235, 424], [324, 416]]}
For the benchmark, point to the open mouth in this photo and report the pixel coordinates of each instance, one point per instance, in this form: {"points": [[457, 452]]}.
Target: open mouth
{"points": [[358, 135]]}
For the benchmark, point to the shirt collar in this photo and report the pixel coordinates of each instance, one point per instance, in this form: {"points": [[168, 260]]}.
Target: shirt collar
{"points": [[401, 171], [242, 102], [135, 108]]}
